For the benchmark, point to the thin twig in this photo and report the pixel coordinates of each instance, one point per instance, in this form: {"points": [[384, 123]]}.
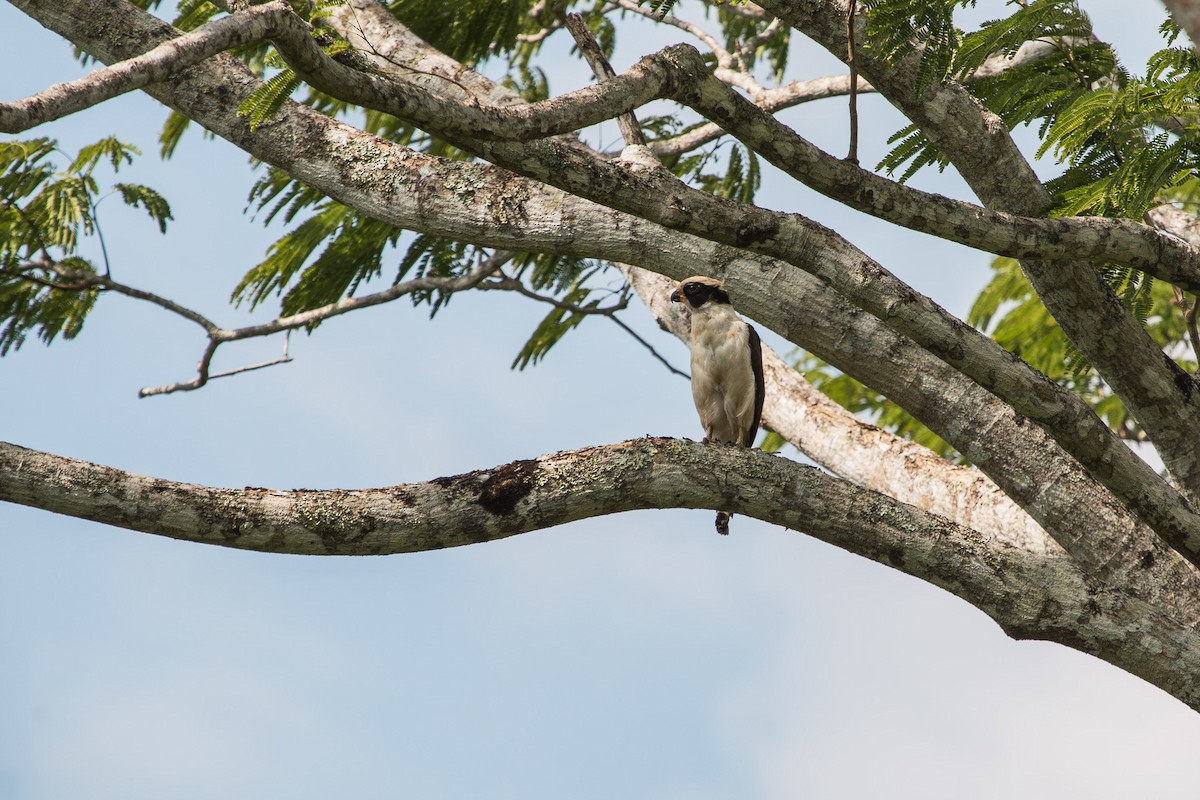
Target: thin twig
{"points": [[746, 49], [852, 62], [218, 336], [631, 132], [723, 57], [402, 69], [620, 322], [505, 283]]}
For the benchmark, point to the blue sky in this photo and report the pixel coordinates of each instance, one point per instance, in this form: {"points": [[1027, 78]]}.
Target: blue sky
{"points": [[638, 655]]}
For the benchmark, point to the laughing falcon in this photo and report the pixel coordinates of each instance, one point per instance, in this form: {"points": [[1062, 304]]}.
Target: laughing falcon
{"points": [[727, 373]]}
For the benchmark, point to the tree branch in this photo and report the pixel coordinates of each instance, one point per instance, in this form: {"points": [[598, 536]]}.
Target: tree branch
{"points": [[490, 207], [656, 76], [639, 193], [159, 63], [219, 336], [1158, 393], [1029, 596]]}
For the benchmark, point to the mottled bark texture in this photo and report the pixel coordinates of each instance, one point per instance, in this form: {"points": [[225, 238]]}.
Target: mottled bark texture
{"points": [[1058, 532]]}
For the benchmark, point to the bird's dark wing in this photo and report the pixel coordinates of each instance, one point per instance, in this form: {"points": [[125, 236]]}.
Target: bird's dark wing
{"points": [[760, 384]]}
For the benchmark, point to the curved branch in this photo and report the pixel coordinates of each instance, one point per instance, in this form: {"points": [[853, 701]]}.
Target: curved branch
{"points": [[795, 239], [658, 196], [277, 22], [805, 91], [897, 467], [490, 207], [1168, 258], [163, 61], [1029, 596]]}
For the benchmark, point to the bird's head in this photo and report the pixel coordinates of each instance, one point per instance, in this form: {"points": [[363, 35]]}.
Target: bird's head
{"points": [[699, 290]]}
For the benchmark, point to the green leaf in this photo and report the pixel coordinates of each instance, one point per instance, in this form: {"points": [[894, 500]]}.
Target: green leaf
{"points": [[869, 404], [267, 99], [138, 196], [553, 327], [772, 442], [27, 306], [468, 32], [172, 131], [191, 14], [117, 153]]}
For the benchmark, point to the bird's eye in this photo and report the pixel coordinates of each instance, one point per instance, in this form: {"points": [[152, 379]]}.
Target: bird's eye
{"points": [[691, 288]]}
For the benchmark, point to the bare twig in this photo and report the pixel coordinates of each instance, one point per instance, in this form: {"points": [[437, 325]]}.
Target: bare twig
{"points": [[506, 283], [402, 70], [723, 57], [746, 49], [631, 132], [852, 155], [76, 280], [621, 324], [219, 336]]}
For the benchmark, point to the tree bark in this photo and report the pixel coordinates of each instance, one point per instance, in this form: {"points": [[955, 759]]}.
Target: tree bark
{"points": [[1104, 583]]}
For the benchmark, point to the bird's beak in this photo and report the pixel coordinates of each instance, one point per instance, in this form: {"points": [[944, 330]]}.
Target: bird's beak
{"points": [[675, 296]]}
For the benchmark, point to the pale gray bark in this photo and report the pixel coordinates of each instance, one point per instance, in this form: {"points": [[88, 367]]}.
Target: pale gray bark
{"points": [[1106, 585], [658, 196], [1161, 396], [1031, 597]]}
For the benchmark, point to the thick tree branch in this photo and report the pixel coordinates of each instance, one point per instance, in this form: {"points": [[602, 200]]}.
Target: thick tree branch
{"points": [[169, 58], [897, 467], [658, 196], [1120, 241], [788, 236], [492, 208], [1133, 244], [1163, 398], [805, 91], [1029, 596], [276, 21], [680, 73]]}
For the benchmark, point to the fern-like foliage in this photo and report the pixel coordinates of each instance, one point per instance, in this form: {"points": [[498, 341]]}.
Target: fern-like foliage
{"points": [[468, 32], [739, 180], [1124, 144], [1022, 95], [324, 258], [45, 213], [268, 98], [1103, 125], [334, 250], [895, 27]]}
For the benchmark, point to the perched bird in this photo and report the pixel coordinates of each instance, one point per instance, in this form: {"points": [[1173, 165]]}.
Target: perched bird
{"points": [[727, 373]]}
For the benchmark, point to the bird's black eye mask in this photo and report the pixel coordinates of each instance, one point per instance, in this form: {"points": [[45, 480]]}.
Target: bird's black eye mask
{"points": [[699, 293]]}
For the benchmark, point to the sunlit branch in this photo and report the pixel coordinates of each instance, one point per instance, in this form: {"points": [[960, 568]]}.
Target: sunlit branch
{"points": [[63, 99]]}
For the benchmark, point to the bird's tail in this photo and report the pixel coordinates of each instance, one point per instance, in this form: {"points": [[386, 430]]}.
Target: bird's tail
{"points": [[723, 518]]}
